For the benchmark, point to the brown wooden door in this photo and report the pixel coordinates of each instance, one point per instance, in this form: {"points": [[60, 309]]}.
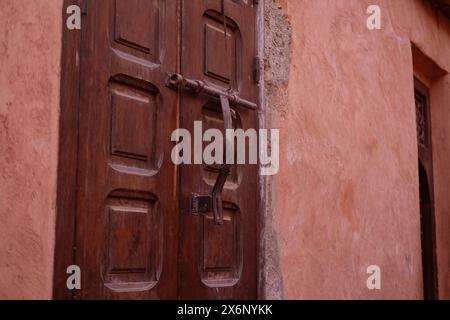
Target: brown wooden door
{"points": [[218, 261], [135, 237], [127, 205]]}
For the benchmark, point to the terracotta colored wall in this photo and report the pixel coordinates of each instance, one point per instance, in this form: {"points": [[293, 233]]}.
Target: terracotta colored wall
{"points": [[29, 102], [347, 193]]}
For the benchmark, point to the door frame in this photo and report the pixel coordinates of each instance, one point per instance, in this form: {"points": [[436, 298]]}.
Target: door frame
{"points": [[65, 249], [66, 197], [425, 157]]}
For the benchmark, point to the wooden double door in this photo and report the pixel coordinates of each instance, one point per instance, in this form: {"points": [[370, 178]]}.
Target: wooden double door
{"points": [[134, 236]]}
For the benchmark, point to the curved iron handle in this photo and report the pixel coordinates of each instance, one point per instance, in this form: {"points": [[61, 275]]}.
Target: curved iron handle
{"points": [[225, 169], [213, 202]]}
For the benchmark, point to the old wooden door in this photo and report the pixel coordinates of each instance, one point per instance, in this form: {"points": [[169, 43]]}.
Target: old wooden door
{"points": [[134, 235], [127, 218], [218, 47]]}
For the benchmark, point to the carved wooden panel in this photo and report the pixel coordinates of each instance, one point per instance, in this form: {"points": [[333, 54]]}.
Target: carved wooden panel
{"points": [[221, 45], [132, 122], [133, 242], [221, 249], [134, 125], [421, 118], [215, 45], [137, 27]]}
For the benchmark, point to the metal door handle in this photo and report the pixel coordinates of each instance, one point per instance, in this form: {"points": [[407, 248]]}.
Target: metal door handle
{"points": [[212, 202]]}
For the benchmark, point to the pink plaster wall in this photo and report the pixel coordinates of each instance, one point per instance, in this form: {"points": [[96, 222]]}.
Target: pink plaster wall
{"points": [[347, 192], [30, 49]]}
